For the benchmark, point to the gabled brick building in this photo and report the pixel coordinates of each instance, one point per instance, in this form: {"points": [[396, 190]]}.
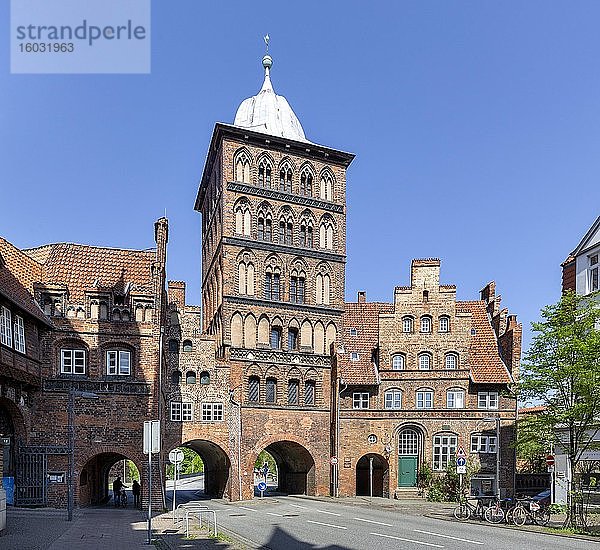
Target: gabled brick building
{"points": [[420, 378], [93, 319]]}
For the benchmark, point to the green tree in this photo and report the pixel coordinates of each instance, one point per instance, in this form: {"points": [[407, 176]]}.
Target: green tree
{"points": [[561, 371]]}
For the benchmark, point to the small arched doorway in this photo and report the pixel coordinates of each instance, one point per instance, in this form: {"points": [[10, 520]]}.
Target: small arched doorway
{"points": [[372, 476], [216, 466], [295, 468]]}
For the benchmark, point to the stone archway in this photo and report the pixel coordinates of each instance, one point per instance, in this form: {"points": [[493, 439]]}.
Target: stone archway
{"points": [[380, 476], [295, 468], [94, 483], [217, 466]]}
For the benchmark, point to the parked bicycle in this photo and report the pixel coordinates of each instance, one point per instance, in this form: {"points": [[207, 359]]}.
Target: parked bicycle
{"points": [[467, 510], [529, 510]]}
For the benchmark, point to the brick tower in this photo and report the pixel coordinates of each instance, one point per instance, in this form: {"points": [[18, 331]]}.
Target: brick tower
{"points": [[273, 208]]}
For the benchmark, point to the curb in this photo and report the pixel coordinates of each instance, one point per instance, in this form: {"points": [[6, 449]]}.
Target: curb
{"points": [[587, 538]]}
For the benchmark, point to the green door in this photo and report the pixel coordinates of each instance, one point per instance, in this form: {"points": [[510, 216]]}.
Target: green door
{"points": [[407, 471]]}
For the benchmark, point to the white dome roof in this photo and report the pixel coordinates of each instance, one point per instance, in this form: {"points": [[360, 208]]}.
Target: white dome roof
{"points": [[268, 112]]}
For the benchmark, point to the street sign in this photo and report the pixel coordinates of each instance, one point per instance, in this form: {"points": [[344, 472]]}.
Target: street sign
{"points": [[4, 441], [151, 436], [262, 486], [550, 460], [461, 461], [461, 469], [176, 456], [461, 453], [333, 460]]}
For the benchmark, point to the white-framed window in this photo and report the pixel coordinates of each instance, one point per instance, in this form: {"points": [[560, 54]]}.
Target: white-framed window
{"points": [[451, 361], [212, 412], [408, 442], [19, 330], [393, 399], [424, 399], [426, 323], [398, 362], [354, 356], [72, 361], [487, 400], [455, 399], [593, 273], [444, 449], [481, 443], [444, 323], [360, 400], [424, 361], [118, 362], [407, 324], [181, 411], [5, 327]]}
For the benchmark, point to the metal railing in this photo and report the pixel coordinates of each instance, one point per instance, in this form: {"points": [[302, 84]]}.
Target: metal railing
{"points": [[191, 510]]}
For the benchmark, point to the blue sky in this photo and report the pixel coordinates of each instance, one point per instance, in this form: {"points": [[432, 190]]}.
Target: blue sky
{"points": [[475, 127]]}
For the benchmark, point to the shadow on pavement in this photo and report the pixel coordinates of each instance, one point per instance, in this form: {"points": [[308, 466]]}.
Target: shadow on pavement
{"points": [[282, 540]]}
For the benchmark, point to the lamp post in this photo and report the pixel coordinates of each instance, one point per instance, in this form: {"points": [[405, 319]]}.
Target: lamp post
{"points": [[496, 420], [71, 443]]}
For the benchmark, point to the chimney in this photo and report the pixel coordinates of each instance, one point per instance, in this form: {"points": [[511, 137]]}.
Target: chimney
{"points": [[362, 297], [176, 291]]}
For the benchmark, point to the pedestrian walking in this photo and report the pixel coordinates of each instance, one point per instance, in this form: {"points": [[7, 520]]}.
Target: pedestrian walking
{"points": [[136, 490], [117, 486]]}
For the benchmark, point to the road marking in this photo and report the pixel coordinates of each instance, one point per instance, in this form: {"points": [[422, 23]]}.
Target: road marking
{"points": [[298, 506], [407, 540], [377, 522], [326, 512], [246, 508], [274, 514], [447, 536], [328, 525]]}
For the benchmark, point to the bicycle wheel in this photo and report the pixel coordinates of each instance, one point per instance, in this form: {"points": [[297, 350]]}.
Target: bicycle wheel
{"points": [[509, 514], [462, 512], [519, 516], [494, 514], [542, 516]]}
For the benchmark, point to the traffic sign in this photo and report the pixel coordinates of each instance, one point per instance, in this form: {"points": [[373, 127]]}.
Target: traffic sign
{"points": [[461, 461], [550, 460], [176, 456], [461, 453], [333, 460], [461, 469], [262, 486], [151, 437]]}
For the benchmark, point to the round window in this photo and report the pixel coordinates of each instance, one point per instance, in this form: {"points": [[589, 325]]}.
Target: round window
{"points": [[372, 439]]}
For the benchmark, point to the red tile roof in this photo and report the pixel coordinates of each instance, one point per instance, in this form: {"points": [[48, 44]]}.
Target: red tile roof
{"points": [[485, 363], [364, 317], [17, 275], [82, 268], [484, 359]]}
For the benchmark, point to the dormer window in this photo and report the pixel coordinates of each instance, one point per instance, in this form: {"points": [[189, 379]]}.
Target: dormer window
{"points": [[354, 356]]}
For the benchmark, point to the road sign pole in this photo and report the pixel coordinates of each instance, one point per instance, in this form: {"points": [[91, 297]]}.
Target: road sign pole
{"points": [[150, 495], [175, 468]]}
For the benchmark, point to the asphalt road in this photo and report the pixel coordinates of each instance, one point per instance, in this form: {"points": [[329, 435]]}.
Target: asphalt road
{"points": [[296, 523]]}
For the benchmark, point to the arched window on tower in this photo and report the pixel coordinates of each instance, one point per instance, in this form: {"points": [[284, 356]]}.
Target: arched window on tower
{"points": [[243, 220], [246, 279], [265, 228], [326, 235], [323, 288], [286, 231], [264, 174], [306, 183], [285, 179], [326, 188], [242, 168], [306, 233]]}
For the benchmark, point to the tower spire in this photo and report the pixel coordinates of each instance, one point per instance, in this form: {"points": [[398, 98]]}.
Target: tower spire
{"points": [[267, 60]]}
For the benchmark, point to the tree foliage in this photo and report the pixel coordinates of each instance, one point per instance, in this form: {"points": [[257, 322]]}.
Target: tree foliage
{"points": [[561, 371]]}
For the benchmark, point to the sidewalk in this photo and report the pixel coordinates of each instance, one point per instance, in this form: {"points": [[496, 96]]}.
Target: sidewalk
{"points": [[91, 529]]}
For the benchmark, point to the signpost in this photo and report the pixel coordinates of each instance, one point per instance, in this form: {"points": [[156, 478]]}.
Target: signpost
{"points": [[151, 445], [461, 468], [333, 460], [176, 457]]}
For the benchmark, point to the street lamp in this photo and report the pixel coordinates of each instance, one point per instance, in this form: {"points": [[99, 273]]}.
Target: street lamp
{"points": [[496, 420], [71, 433]]}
